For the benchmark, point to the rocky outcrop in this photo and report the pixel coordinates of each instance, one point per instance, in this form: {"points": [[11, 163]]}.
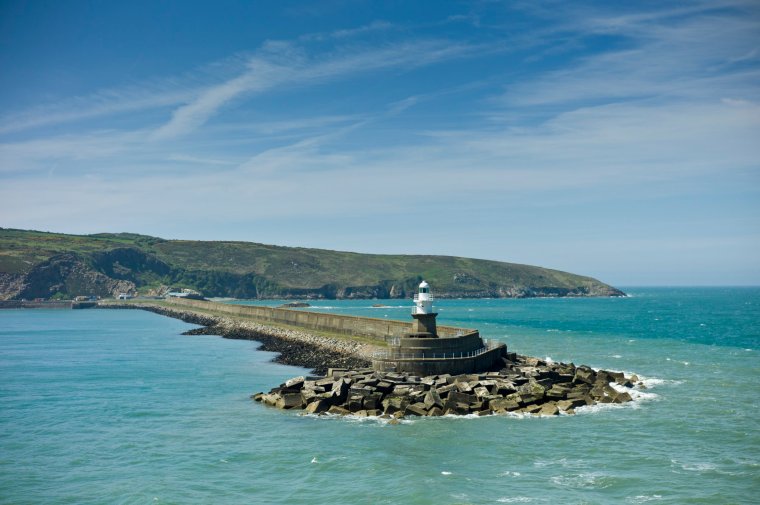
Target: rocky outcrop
{"points": [[524, 385], [69, 275], [11, 285]]}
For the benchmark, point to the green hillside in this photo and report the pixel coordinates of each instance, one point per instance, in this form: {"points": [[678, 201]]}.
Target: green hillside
{"points": [[39, 264]]}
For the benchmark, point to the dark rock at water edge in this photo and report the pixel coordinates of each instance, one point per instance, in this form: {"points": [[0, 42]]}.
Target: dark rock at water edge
{"points": [[294, 305], [524, 385]]}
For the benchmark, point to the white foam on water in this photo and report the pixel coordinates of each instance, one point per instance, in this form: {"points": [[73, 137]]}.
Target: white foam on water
{"points": [[509, 474], [563, 462], [314, 460], [597, 408], [643, 498], [705, 467], [596, 480], [549, 360], [359, 419], [516, 499], [636, 394], [616, 356], [445, 473]]}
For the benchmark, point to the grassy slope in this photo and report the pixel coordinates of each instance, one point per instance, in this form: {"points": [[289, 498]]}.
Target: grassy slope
{"points": [[289, 267]]}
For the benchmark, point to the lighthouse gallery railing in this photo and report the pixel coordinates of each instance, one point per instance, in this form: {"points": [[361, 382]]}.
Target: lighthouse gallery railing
{"points": [[390, 355]]}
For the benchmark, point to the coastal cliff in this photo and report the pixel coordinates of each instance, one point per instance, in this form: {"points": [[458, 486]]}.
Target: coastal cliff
{"points": [[44, 265]]}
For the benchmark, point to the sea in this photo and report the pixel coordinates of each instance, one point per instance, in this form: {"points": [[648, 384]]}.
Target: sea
{"points": [[118, 407]]}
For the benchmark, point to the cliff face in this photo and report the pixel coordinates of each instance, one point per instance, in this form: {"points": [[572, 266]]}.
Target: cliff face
{"points": [[43, 265], [67, 275]]}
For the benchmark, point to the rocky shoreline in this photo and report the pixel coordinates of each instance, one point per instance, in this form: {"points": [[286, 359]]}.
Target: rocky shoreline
{"points": [[294, 347], [524, 385]]}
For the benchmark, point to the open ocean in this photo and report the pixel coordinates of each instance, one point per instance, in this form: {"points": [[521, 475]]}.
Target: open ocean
{"points": [[115, 406]]}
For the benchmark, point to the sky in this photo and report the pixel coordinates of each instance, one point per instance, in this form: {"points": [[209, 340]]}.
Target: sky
{"points": [[619, 140]]}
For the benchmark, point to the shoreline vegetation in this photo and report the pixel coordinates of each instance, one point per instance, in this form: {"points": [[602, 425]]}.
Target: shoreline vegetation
{"points": [[345, 384]]}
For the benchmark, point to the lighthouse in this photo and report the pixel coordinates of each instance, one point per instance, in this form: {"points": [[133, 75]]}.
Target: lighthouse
{"points": [[424, 317]]}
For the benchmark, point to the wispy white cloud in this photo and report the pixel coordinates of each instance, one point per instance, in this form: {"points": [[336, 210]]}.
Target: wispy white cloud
{"points": [[264, 74], [682, 59], [374, 26]]}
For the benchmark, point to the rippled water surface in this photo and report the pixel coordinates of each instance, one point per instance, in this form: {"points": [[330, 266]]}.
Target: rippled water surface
{"points": [[108, 406]]}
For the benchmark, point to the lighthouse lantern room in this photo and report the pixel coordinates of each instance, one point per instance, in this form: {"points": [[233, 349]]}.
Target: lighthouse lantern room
{"points": [[424, 317]]}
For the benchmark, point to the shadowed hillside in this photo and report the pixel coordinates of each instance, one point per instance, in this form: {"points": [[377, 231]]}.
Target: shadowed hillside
{"points": [[39, 264]]}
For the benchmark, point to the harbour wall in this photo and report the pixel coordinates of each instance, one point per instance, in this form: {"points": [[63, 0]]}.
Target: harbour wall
{"points": [[369, 327], [30, 304]]}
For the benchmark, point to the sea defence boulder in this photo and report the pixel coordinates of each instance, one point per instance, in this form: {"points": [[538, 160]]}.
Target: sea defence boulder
{"points": [[524, 385]]}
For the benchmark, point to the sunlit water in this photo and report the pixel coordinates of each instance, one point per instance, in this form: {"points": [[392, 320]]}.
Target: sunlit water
{"points": [[100, 406]]}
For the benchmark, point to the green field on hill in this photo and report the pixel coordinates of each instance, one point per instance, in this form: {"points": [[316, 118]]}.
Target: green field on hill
{"points": [[45, 264]]}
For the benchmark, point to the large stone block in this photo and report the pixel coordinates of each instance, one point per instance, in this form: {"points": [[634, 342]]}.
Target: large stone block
{"points": [[289, 401], [295, 382], [584, 374], [622, 397], [456, 396], [384, 387], [395, 404], [340, 390], [481, 392], [415, 409], [457, 408], [354, 403], [549, 409], [433, 399], [531, 409], [573, 404], [372, 401], [318, 406], [533, 390], [435, 412], [360, 391], [443, 391], [338, 411], [503, 404]]}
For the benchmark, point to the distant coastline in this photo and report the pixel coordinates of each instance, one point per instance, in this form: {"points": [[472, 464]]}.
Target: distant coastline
{"points": [[59, 266]]}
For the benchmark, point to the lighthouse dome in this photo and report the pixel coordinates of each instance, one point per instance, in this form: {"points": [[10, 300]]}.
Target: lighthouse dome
{"points": [[424, 284]]}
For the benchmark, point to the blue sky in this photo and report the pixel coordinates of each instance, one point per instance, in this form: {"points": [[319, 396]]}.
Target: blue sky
{"points": [[614, 139]]}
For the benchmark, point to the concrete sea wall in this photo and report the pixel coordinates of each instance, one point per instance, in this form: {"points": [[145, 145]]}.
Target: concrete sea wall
{"points": [[372, 328], [27, 304]]}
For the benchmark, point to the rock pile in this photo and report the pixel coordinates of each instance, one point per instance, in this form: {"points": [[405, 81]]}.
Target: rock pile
{"points": [[524, 385]]}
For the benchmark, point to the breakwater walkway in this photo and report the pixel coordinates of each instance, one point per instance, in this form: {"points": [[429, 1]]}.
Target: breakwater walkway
{"points": [[316, 350]]}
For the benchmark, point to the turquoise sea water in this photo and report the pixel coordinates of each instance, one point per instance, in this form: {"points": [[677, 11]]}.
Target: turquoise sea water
{"points": [[100, 406]]}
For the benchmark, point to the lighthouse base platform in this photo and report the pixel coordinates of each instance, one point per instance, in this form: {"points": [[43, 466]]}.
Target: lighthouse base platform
{"points": [[421, 355]]}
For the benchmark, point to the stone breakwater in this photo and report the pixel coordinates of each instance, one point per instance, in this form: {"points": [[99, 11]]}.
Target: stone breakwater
{"points": [[525, 385], [294, 347]]}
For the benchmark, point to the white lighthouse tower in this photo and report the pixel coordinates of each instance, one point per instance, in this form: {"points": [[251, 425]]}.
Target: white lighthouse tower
{"points": [[424, 317], [423, 300]]}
